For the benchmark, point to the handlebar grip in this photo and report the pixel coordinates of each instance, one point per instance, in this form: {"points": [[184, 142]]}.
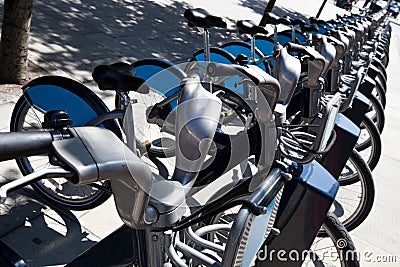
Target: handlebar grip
{"points": [[301, 49], [220, 69], [24, 144]]}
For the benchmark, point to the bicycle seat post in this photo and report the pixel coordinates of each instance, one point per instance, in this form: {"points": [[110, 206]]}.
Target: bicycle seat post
{"points": [[309, 39], [201, 19], [253, 49], [126, 100], [206, 43], [293, 33], [274, 70]]}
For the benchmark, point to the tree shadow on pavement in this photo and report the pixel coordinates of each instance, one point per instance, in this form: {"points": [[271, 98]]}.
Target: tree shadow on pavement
{"points": [[76, 36]]}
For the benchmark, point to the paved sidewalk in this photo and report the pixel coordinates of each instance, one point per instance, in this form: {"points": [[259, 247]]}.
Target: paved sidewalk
{"points": [[69, 38]]}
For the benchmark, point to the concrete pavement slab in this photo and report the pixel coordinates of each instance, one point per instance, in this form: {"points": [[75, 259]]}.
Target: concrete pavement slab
{"points": [[372, 256], [391, 145], [392, 115], [102, 220], [384, 196], [389, 168], [5, 111], [380, 229], [116, 45]]}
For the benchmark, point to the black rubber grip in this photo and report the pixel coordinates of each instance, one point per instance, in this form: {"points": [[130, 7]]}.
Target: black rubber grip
{"points": [[220, 69], [24, 144]]}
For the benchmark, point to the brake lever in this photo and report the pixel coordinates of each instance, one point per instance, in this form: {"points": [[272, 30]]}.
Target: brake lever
{"points": [[51, 172]]}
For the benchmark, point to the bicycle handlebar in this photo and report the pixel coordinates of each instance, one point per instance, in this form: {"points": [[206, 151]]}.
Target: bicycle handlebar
{"points": [[292, 47], [24, 144]]}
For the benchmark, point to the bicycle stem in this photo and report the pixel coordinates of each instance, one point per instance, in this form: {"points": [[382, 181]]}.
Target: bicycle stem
{"points": [[293, 34]]}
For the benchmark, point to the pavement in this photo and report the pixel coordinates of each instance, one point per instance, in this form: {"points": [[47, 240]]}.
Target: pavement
{"points": [[69, 38]]}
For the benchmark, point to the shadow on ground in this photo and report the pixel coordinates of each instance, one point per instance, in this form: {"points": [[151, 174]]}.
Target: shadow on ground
{"points": [[49, 236], [106, 31]]}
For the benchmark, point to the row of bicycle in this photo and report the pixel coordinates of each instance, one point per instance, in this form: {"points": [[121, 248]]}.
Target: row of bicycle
{"points": [[266, 142]]}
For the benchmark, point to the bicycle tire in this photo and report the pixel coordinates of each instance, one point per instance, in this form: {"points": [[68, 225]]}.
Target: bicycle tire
{"points": [[342, 240], [380, 78], [380, 93], [368, 194], [374, 142], [379, 113], [382, 69], [51, 196]]}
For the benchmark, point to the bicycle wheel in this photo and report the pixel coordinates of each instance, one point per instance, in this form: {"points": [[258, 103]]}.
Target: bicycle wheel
{"points": [[380, 93], [381, 80], [369, 143], [383, 73], [356, 194], [376, 113], [58, 191], [339, 240]]}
